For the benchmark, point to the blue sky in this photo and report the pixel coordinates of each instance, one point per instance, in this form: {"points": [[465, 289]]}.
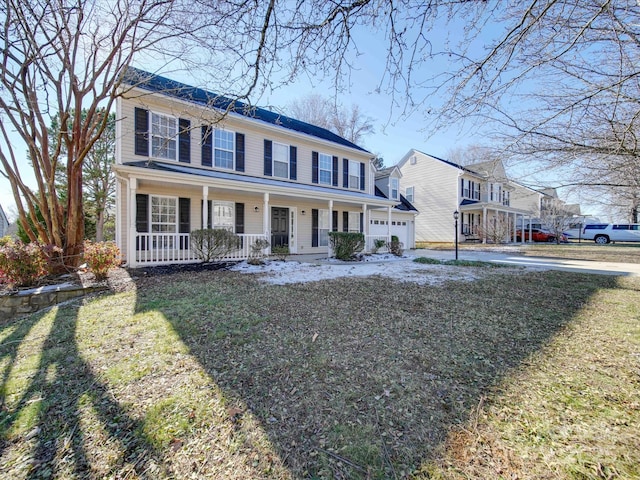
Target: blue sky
{"points": [[394, 135]]}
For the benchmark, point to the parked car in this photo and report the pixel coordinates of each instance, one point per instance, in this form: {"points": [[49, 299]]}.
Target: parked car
{"points": [[539, 235], [612, 232]]}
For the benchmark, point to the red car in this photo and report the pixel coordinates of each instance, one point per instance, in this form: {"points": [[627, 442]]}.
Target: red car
{"points": [[539, 235]]}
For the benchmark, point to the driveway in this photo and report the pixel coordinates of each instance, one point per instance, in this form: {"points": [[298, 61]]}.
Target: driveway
{"points": [[540, 263]]}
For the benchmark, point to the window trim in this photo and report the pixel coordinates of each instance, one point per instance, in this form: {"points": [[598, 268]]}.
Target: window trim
{"points": [[214, 148], [320, 169], [287, 149], [152, 223], [320, 229], [175, 139], [355, 178], [393, 180], [354, 222], [410, 196], [227, 203]]}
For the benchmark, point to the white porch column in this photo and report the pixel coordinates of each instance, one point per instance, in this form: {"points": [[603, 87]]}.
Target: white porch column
{"points": [[265, 216], [131, 250], [522, 230], [530, 232], [515, 225], [205, 207], [329, 252], [365, 226], [389, 224], [484, 224]]}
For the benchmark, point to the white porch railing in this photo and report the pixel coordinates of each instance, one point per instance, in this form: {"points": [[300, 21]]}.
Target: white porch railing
{"points": [[370, 242], [170, 248]]}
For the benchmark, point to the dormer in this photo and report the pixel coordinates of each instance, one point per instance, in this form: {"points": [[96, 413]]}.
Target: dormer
{"points": [[388, 182]]}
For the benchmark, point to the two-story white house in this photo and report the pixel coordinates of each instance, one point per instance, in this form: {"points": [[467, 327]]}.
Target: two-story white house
{"points": [[487, 202], [188, 159]]}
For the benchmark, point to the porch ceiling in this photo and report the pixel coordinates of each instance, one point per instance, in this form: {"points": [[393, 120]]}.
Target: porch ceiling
{"points": [[479, 206], [162, 173]]}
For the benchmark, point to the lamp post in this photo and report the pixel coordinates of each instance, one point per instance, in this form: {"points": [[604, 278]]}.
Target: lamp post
{"points": [[456, 214]]}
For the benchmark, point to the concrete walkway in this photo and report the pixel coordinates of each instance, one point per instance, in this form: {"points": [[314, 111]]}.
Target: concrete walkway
{"points": [[540, 263]]}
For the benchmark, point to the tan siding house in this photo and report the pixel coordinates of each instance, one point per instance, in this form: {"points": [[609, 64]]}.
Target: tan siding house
{"points": [[490, 206], [188, 159]]}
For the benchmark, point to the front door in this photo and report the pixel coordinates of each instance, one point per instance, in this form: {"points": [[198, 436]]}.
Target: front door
{"points": [[279, 226]]}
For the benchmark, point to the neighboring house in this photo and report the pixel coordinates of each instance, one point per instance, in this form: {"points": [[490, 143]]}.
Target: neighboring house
{"points": [[4, 223], [188, 159], [402, 217], [491, 207]]}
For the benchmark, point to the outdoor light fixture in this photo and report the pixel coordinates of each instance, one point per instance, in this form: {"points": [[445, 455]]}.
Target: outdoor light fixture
{"points": [[303, 212], [456, 214], [256, 209]]}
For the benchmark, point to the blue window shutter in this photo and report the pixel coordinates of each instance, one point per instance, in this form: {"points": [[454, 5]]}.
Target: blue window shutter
{"points": [[361, 176], [345, 173], [314, 167], [335, 172], [141, 120], [207, 146], [268, 158], [361, 222], [334, 221], [184, 140], [239, 152], [314, 227], [345, 221], [293, 163]]}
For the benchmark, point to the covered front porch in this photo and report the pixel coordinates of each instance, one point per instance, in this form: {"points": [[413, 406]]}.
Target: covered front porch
{"points": [[488, 222], [159, 210]]}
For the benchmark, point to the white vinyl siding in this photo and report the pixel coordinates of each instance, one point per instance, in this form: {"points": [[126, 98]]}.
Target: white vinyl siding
{"points": [[163, 138], [223, 149]]}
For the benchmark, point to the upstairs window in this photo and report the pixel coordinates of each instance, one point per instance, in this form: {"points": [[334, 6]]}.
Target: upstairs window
{"points": [[409, 194], [223, 148], [164, 136], [354, 174], [325, 168], [280, 160], [393, 187]]}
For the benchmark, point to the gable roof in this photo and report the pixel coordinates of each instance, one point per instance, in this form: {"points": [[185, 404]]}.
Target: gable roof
{"points": [[454, 165], [386, 172], [404, 205], [165, 86]]}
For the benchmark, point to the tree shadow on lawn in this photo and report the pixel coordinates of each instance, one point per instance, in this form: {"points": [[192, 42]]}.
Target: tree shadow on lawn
{"points": [[363, 378], [56, 406]]}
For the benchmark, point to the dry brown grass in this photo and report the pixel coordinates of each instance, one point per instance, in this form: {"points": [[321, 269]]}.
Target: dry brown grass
{"points": [[214, 374]]}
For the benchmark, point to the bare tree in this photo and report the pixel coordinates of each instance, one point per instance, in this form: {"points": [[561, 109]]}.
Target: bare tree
{"points": [[349, 123], [556, 217]]}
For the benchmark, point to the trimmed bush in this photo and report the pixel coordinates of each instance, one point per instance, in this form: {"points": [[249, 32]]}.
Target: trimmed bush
{"points": [[22, 264], [101, 257], [345, 245], [378, 244], [256, 257], [280, 252], [213, 243], [395, 246]]}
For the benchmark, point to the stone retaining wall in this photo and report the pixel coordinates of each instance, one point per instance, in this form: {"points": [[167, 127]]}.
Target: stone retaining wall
{"points": [[32, 300]]}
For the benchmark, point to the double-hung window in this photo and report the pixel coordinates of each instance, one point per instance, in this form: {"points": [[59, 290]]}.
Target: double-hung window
{"points": [[325, 168], [223, 148], [354, 174], [409, 194], [354, 222], [393, 186], [164, 219], [223, 215], [323, 228], [164, 136], [280, 160]]}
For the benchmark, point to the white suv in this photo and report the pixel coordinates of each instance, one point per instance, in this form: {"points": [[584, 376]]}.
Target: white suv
{"points": [[612, 232]]}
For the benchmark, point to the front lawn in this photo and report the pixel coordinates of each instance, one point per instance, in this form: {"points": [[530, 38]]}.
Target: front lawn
{"points": [[218, 375]]}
